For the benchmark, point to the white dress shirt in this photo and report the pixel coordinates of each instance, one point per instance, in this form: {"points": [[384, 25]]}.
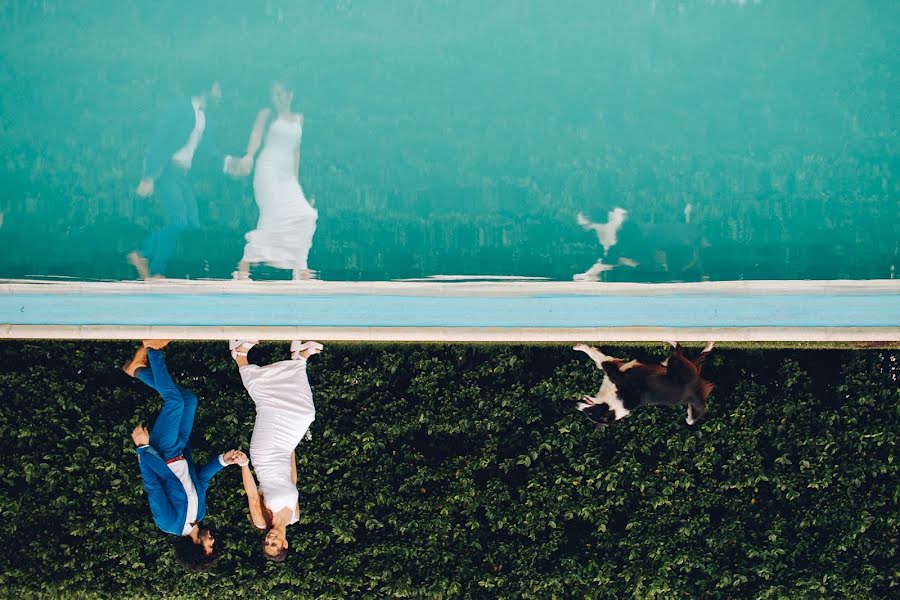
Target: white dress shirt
{"points": [[180, 468]]}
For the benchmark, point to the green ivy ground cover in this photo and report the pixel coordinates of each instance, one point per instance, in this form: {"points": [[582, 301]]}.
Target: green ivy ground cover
{"points": [[463, 471]]}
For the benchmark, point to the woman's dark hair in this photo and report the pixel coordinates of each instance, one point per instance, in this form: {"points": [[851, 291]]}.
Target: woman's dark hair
{"points": [[273, 557], [192, 557], [268, 517]]}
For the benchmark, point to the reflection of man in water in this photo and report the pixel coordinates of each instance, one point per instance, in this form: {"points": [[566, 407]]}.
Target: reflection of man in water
{"points": [[180, 134]]}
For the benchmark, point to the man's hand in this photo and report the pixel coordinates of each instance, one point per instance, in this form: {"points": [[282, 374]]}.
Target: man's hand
{"points": [[145, 187], [140, 436], [236, 457]]}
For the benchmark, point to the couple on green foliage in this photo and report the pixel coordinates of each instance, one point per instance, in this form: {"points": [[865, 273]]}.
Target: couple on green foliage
{"points": [[176, 488]]}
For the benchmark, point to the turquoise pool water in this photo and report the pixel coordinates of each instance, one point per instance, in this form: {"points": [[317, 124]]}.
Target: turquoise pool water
{"points": [[465, 138]]}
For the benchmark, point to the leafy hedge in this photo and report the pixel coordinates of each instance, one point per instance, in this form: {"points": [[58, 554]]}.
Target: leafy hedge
{"points": [[462, 471]]}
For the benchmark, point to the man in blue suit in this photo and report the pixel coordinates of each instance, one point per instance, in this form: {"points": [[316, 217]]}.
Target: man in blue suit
{"points": [[175, 488], [182, 132]]}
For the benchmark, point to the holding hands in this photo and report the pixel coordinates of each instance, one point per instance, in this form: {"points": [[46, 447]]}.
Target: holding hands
{"points": [[238, 167], [236, 457]]}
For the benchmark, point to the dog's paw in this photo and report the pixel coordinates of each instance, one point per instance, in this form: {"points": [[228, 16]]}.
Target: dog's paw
{"points": [[581, 348], [673, 344], [709, 346], [690, 421]]}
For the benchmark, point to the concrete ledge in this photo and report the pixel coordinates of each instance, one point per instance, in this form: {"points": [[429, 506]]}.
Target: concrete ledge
{"points": [[507, 311], [440, 287], [456, 334]]}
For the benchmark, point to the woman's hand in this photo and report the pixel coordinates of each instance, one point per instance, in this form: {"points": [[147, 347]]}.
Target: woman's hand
{"points": [[140, 436]]}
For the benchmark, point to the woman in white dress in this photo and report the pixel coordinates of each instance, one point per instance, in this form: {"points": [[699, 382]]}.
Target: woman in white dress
{"points": [[287, 222], [284, 412]]}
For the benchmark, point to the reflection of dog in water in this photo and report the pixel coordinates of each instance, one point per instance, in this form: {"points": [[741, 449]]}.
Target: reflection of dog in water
{"points": [[629, 385], [670, 248]]}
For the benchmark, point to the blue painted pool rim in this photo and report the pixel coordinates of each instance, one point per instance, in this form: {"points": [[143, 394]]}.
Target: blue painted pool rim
{"points": [[481, 311]]}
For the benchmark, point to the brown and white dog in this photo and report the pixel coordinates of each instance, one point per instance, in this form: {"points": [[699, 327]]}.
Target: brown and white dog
{"points": [[628, 385]]}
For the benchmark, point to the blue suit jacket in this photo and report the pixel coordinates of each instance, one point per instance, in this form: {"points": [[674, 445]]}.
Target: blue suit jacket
{"points": [[172, 132], [168, 500]]}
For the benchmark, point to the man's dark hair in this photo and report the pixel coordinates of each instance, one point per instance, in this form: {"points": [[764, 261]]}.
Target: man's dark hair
{"points": [[273, 557], [195, 86], [192, 557]]}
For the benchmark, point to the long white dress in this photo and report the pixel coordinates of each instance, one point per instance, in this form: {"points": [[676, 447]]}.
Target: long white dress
{"points": [[287, 221], [284, 412]]}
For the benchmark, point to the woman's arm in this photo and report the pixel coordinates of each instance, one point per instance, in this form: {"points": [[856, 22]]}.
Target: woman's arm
{"points": [[294, 479], [259, 126], [297, 155], [256, 514]]}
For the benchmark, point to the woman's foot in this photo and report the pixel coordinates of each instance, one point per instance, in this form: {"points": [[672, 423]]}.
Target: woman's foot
{"points": [[139, 361], [304, 349], [141, 264], [156, 344], [239, 350], [242, 273], [302, 274]]}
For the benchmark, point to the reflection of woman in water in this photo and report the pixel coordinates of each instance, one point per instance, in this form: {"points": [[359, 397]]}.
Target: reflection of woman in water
{"points": [[287, 222], [284, 412]]}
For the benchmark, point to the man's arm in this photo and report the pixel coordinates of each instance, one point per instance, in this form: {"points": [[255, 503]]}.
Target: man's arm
{"points": [[150, 478], [164, 142], [232, 457], [207, 471], [152, 467], [140, 435], [230, 165]]}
